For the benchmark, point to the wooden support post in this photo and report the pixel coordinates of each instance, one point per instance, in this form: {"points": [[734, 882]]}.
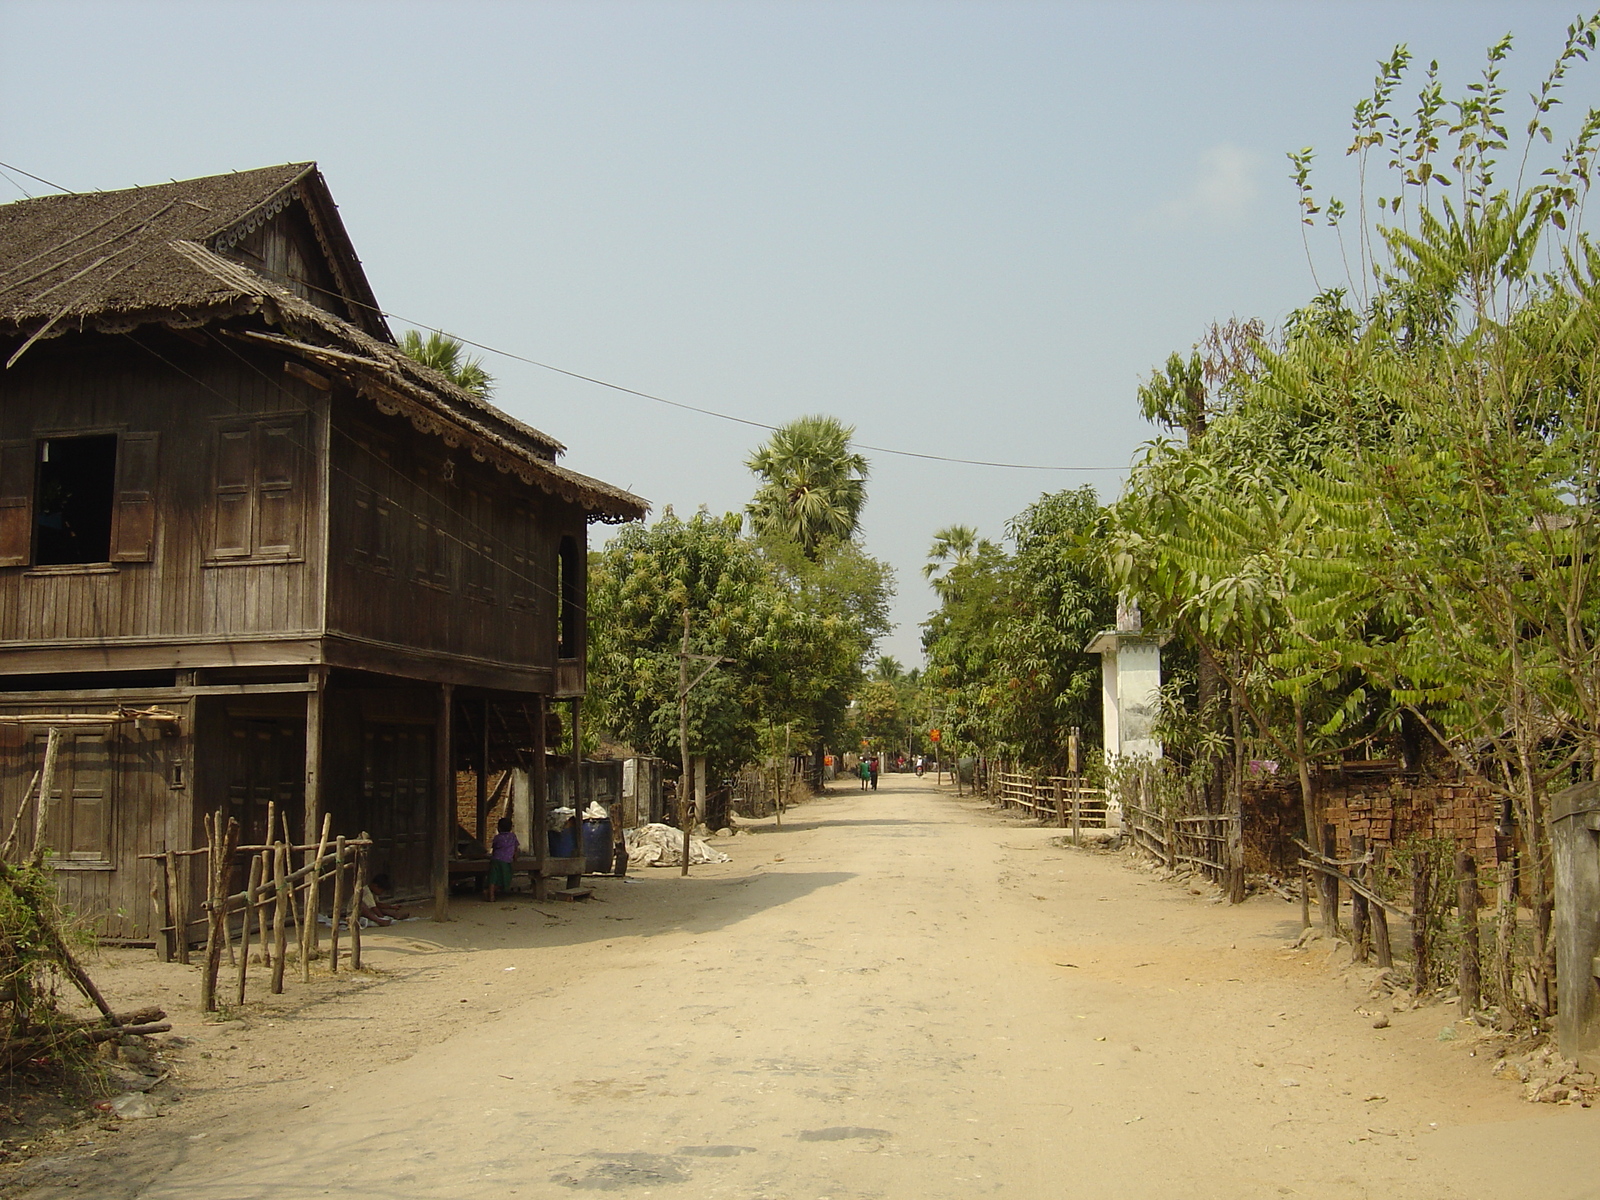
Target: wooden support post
{"points": [[1305, 897], [539, 784], [574, 881], [444, 803], [338, 904], [1419, 923], [317, 677], [1359, 907], [280, 915], [1328, 886], [244, 932], [1469, 974], [1060, 803], [481, 769]]}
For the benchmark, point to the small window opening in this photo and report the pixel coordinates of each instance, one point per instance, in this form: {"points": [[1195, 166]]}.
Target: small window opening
{"points": [[76, 483], [567, 567]]}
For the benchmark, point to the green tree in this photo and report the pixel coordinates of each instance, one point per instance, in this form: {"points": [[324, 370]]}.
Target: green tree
{"points": [[813, 485]]}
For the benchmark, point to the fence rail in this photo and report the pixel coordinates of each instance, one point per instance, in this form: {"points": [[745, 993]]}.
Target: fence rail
{"points": [[1059, 798]]}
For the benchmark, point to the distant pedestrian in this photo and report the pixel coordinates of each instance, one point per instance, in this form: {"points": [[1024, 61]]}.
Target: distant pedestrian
{"points": [[872, 772], [502, 851], [863, 770]]}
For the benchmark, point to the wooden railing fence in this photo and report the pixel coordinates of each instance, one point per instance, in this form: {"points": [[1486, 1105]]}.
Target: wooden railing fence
{"points": [[275, 897], [1059, 798]]}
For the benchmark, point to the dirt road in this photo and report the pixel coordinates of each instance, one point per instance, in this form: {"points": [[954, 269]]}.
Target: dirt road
{"points": [[898, 994]]}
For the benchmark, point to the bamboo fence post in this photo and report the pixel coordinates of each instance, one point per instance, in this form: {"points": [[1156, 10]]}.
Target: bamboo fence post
{"points": [[1419, 923], [244, 931], [166, 947], [1329, 889], [1380, 922], [1470, 972], [1358, 905], [1077, 809], [294, 892], [338, 905], [47, 777], [220, 842], [178, 908], [280, 915], [308, 931], [262, 923], [1305, 897], [1061, 808], [356, 893], [208, 981]]}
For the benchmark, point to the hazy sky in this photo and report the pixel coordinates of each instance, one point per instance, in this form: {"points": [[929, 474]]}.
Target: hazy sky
{"points": [[966, 229]]}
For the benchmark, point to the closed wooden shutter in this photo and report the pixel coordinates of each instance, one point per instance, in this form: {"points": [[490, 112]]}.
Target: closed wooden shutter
{"points": [[133, 527], [78, 826], [235, 486], [278, 510], [16, 503]]}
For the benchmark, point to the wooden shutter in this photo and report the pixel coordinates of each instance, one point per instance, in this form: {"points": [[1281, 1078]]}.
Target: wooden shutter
{"points": [[133, 519], [277, 498], [78, 826], [88, 805], [234, 494], [16, 503]]}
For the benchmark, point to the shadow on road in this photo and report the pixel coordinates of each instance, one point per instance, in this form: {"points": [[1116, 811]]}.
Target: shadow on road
{"points": [[659, 901]]}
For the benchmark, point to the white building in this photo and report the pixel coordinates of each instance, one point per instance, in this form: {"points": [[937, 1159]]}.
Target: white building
{"points": [[1130, 678]]}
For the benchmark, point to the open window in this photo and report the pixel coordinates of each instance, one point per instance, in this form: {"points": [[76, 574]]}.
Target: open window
{"points": [[78, 499], [569, 590], [74, 493]]}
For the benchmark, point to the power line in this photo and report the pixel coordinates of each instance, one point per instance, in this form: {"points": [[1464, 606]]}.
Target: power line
{"points": [[651, 396], [708, 412], [38, 179]]}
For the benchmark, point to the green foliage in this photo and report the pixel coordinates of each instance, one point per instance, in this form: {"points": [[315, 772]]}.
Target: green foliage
{"points": [[1007, 671], [447, 356], [813, 485]]}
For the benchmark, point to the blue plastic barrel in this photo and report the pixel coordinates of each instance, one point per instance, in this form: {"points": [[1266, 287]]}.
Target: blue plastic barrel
{"points": [[564, 843], [597, 846]]}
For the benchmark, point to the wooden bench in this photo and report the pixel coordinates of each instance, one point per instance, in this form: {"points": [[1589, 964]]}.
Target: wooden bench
{"points": [[571, 869]]}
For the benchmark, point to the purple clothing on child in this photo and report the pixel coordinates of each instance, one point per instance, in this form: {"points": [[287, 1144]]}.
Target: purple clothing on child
{"points": [[504, 847]]}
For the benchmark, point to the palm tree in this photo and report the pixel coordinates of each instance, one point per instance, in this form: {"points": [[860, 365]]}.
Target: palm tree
{"points": [[953, 546], [888, 669], [813, 485], [445, 355]]}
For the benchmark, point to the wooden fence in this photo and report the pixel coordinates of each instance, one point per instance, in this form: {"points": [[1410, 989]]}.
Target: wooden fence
{"points": [[275, 897], [1059, 798]]}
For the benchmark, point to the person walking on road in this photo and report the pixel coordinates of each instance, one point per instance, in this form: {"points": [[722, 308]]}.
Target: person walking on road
{"points": [[872, 771], [863, 770]]}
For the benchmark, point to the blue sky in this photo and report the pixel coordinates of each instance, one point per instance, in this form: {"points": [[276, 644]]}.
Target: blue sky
{"points": [[967, 229]]}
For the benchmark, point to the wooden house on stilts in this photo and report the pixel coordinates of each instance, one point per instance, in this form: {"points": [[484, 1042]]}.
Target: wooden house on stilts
{"points": [[225, 493]]}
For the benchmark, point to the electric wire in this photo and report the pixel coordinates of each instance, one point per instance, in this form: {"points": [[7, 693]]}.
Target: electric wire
{"points": [[651, 396], [38, 179]]}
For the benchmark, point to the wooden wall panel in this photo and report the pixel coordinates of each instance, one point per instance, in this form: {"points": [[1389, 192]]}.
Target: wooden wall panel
{"points": [[155, 383], [432, 550]]}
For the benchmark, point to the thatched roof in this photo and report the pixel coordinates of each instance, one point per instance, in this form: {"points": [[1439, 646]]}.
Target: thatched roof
{"points": [[114, 261]]}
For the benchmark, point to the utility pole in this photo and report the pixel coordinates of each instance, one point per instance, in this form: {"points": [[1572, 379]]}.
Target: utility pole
{"points": [[686, 809]]}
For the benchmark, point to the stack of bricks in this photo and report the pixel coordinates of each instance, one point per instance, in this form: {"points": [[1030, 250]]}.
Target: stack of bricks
{"points": [[1390, 811]]}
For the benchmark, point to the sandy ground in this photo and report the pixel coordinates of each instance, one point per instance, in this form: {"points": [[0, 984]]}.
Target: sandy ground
{"points": [[898, 994]]}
